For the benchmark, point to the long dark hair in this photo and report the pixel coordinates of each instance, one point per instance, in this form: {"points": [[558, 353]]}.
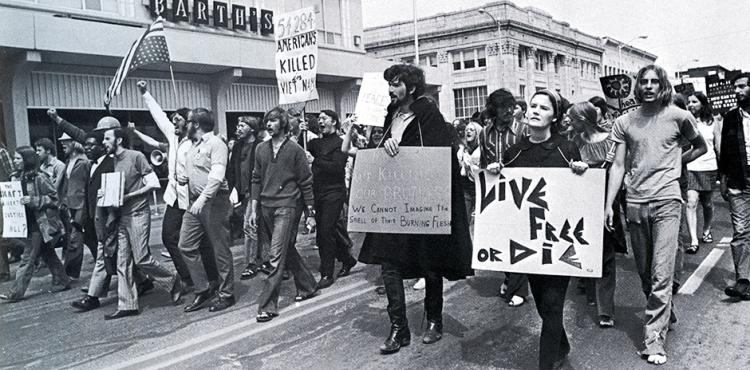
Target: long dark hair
{"points": [[30, 159], [706, 112]]}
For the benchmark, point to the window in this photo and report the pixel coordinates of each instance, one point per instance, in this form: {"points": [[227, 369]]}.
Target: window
{"points": [[469, 100], [428, 60], [557, 64], [540, 61], [521, 90], [468, 59], [521, 52]]}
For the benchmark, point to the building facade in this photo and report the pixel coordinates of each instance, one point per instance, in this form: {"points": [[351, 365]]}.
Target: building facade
{"points": [[497, 45], [64, 53], [622, 58]]}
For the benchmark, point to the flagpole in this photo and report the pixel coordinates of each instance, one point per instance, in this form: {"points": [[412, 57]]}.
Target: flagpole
{"points": [[174, 87]]}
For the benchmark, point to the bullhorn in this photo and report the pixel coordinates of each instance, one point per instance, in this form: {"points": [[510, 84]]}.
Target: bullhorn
{"points": [[157, 157]]}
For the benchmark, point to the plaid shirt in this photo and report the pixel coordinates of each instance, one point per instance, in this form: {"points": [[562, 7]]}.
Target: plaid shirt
{"points": [[495, 140], [6, 164]]}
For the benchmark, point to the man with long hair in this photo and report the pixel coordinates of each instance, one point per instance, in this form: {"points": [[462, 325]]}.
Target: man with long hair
{"points": [[281, 190], [734, 168], [648, 138], [73, 197]]}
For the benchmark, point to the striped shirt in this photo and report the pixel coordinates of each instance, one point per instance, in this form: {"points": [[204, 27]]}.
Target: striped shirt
{"points": [[495, 140], [6, 164]]}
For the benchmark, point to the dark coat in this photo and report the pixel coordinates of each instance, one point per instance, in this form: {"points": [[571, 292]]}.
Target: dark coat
{"points": [[45, 204], [732, 161], [240, 169], [447, 255], [74, 186]]}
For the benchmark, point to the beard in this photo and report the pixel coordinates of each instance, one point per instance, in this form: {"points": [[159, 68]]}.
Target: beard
{"points": [[743, 101]]}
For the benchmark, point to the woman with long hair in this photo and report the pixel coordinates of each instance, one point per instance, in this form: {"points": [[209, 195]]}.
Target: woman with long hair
{"points": [[597, 151], [701, 173], [545, 147], [468, 159], [42, 222]]}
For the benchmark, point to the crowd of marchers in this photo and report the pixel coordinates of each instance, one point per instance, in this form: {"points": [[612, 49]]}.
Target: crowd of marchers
{"points": [[663, 160]]}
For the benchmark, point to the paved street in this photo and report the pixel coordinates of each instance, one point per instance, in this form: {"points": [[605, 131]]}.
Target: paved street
{"points": [[343, 327]]}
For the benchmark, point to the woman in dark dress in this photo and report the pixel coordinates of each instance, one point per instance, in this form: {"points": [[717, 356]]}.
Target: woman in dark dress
{"points": [[544, 147]]}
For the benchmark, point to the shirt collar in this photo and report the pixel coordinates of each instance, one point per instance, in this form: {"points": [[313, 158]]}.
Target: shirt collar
{"points": [[207, 136], [501, 128], [552, 143]]}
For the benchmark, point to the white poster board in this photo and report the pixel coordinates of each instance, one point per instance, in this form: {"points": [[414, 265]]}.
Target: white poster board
{"points": [[373, 100], [113, 187], [14, 213], [540, 221], [406, 194], [296, 56]]}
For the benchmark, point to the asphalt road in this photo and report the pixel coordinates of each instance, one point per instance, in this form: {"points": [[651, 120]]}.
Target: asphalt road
{"points": [[343, 326]]}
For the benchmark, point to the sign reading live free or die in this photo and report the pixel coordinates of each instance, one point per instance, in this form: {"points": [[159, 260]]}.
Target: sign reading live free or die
{"points": [[406, 194]]}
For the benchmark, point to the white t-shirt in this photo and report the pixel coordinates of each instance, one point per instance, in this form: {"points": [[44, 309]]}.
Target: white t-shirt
{"points": [[706, 162]]}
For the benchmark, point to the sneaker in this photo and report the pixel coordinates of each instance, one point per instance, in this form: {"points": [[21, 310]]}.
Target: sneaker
{"points": [[707, 237], [606, 322]]}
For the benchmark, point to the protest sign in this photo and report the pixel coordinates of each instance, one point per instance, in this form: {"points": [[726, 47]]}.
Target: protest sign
{"points": [[720, 93], [686, 89], [113, 187], [296, 56], [406, 194], [540, 221], [14, 213], [373, 100], [619, 93]]}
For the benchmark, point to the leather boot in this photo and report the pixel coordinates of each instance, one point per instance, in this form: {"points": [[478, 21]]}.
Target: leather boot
{"points": [[433, 333], [394, 291], [399, 337]]}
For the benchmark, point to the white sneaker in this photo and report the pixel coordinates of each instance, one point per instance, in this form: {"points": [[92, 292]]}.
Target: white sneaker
{"points": [[419, 285], [165, 254]]}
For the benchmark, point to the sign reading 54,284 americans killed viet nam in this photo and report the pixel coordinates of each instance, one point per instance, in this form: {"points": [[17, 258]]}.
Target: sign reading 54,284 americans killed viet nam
{"points": [[540, 221], [297, 56], [406, 194]]}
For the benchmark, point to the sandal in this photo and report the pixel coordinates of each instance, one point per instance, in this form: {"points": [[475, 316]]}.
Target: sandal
{"points": [[516, 301], [265, 316], [693, 249], [606, 322], [707, 237], [249, 272]]}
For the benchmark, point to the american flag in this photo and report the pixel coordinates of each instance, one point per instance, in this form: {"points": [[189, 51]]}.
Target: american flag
{"points": [[150, 48]]}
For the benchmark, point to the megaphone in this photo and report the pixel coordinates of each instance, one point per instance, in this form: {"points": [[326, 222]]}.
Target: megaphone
{"points": [[158, 157]]}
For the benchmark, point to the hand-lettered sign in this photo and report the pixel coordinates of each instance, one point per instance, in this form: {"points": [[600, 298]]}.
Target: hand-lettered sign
{"points": [[296, 56], [373, 100], [14, 213], [619, 91], [406, 194], [540, 221], [720, 92]]}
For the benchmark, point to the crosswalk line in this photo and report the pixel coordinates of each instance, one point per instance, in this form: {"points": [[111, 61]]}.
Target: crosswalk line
{"points": [[695, 280]]}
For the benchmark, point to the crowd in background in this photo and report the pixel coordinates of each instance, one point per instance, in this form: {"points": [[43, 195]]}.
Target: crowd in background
{"points": [[663, 159]]}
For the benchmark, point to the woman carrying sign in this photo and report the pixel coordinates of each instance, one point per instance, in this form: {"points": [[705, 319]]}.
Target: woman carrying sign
{"points": [[414, 120], [544, 147], [42, 222]]}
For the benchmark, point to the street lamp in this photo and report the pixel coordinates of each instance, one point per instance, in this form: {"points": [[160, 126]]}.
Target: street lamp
{"points": [[619, 48], [497, 24]]}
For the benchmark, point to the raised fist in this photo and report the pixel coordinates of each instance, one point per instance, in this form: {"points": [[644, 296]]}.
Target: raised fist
{"points": [[142, 86], [52, 113]]}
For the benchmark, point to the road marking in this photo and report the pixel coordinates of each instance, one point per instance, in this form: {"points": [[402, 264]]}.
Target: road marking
{"points": [[724, 242], [696, 279], [215, 340]]}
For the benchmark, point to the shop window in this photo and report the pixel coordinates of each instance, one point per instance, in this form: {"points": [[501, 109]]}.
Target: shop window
{"points": [[469, 100]]}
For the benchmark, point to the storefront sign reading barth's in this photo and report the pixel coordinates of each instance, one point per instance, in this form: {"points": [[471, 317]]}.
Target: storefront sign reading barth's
{"points": [[296, 56], [215, 13]]}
